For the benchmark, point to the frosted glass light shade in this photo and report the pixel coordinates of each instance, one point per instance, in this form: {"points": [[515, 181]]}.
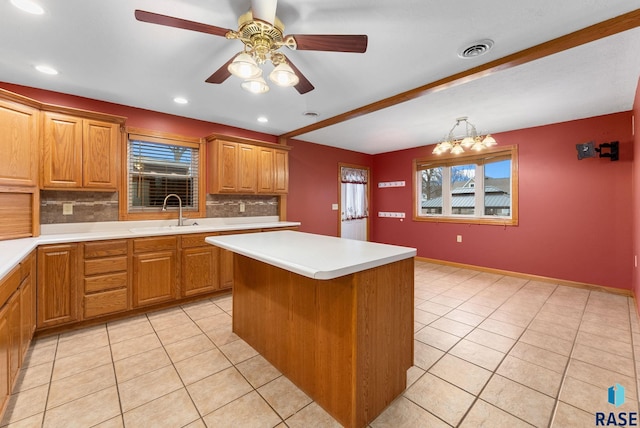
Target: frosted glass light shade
{"points": [[244, 66], [457, 149], [489, 141], [283, 75], [255, 86]]}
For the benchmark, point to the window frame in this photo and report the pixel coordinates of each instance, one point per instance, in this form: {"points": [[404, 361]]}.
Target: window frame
{"points": [[168, 139], [434, 161]]}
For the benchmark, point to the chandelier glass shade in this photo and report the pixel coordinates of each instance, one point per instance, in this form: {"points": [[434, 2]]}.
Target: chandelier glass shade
{"points": [[470, 141], [256, 85]]}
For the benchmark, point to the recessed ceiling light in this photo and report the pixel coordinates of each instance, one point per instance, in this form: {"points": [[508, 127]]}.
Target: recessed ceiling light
{"points": [[180, 100], [46, 69], [28, 6], [263, 119]]}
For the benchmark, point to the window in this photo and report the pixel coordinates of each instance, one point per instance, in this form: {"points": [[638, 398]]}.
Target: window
{"points": [[158, 165], [469, 188]]}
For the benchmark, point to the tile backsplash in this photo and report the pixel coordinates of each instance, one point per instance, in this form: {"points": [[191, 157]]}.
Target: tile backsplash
{"points": [[103, 206], [87, 206]]}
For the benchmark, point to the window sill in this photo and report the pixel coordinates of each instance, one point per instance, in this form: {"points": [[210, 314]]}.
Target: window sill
{"points": [[498, 221]]}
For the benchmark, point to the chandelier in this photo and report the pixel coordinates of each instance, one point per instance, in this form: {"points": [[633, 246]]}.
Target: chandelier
{"points": [[471, 140], [261, 42]]}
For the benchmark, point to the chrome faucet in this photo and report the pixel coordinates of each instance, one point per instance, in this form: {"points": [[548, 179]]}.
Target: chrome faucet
{"points": [[164, 207]]}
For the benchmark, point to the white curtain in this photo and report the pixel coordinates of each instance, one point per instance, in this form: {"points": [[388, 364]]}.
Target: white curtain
{"points": [[355, 201], [355, 208]]}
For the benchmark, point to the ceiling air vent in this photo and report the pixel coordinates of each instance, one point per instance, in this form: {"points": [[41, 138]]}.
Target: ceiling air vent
{"points": [[476, 49]]}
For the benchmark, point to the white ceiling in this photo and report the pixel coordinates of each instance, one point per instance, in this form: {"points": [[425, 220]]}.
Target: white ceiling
{"points": [[102, 52]]}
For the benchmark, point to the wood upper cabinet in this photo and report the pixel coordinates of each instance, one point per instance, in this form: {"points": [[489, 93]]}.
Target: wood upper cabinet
{"points": [[273, 170], [155, 274], [79, 153], [99, 154], [18, 144], [232, 168], [245, 168], [57, 285]]}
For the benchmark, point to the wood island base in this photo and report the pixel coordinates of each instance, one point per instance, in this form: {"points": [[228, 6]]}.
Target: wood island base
{"points": [[346, 342]]}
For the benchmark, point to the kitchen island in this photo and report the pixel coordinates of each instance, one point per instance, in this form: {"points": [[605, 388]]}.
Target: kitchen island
{"points": [[333, 315]]}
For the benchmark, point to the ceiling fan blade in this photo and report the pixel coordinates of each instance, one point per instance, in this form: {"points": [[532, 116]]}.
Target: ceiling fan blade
{"points": [[303, 85], [264, 10], [331, 42], [221, 74], [170, 21]]}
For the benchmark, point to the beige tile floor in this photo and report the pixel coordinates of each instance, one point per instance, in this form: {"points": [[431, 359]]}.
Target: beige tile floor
{"points": [[490, 350]]}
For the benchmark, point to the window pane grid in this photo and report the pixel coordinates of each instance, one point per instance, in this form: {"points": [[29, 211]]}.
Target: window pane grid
{"points": [[157, 170], [469, 188]]}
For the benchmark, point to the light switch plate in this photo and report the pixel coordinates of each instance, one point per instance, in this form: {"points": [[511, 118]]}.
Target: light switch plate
{"points": [[334, 207]]}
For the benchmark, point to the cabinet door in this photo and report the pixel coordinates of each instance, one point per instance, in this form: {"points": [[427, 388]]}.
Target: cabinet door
{"points": [[281, 171], [247, 164], [57, 285], [14, 337], [62, 151], [266, 174], [154, 278], [100, 154], [27, 314], [5, 333], [225, 167], [226, 268], [18, 144], [199, 270]]}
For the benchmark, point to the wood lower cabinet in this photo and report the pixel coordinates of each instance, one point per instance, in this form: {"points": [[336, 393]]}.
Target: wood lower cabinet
{"points": [[57, 284], [106, 281], [155, 275], [200, 270], [5, 346], [17, 323]]}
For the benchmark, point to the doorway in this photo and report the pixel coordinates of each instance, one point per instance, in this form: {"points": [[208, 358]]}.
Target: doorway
{"points": [[354, 201]]}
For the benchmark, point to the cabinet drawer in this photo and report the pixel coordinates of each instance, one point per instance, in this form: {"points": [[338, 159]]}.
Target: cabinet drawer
{"points": [[105, 303], [195, 239], [26, 266], [105, 265], [105, 282], [105, 249], [141, 245]]}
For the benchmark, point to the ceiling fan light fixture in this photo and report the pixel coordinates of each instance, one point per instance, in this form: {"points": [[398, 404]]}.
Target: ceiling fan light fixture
{"points": [[255, 86], [283, 75], [244, 66]]}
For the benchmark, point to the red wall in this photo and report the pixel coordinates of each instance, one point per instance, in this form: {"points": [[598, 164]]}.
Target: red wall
{"points": [[313, 184], [575, 216], [636, 195], [138, 118]]}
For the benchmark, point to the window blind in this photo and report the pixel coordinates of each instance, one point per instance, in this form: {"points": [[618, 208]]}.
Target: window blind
{"points": [[156, 170]]}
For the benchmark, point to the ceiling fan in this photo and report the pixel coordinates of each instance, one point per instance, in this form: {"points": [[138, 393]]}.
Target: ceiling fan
{"points": [[262, 34]]}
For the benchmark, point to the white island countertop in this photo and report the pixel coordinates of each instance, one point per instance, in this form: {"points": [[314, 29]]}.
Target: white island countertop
{"points": [[313, 256]]}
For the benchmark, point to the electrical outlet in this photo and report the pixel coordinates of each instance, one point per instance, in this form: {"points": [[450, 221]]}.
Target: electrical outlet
{"points": [[334, 207], [67, 209], [458, 238], [242, 207]]}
